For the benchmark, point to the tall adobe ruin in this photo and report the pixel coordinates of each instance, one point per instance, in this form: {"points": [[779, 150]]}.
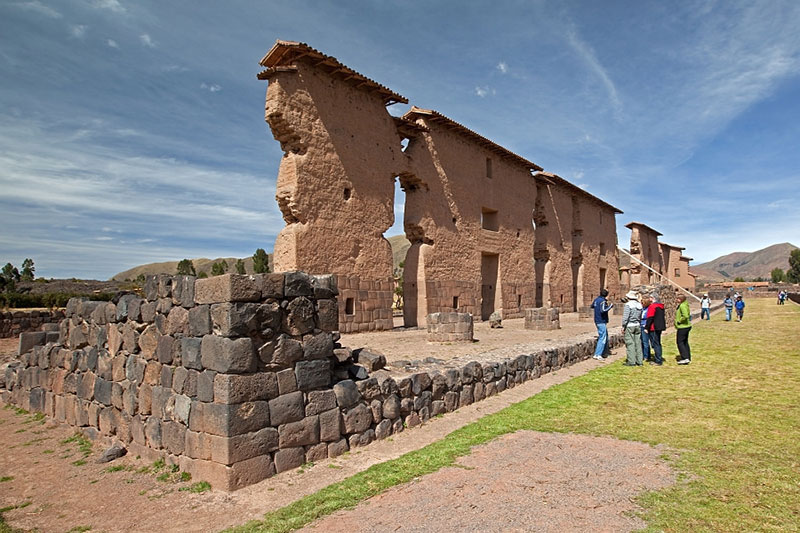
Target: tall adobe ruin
{"points": [[489, 230]]}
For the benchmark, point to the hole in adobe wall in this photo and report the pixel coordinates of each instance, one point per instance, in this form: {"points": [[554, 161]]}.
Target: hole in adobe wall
{"points": [[455, 302], [519, 300], [347, 193], [349, 306]]}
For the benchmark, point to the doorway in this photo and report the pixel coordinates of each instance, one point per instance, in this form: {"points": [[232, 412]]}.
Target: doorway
{"points": [[489, 268]]}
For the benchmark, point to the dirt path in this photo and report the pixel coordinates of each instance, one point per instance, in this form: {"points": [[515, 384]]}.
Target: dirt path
{"points": [[519, 482]]}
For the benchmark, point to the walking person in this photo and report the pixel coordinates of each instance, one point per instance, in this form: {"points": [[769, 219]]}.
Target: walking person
{"points": [[632, 328], [601, 308], [646, 352], [683, 325], [728, 302], [655, 326], [739, 309], [705, 307]]}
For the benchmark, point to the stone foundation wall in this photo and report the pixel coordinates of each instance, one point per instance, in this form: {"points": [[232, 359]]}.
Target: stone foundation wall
{"points": [[12, 323], [371, 304], [236, 378], [542, 318], [450, 327]]}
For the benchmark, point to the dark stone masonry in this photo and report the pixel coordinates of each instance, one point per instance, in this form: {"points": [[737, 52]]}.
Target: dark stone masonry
{"points": [[236, 378]]}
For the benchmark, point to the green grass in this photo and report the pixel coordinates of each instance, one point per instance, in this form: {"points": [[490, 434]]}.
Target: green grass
{"points": [[84, 445], [200, 486], [732, 415]]}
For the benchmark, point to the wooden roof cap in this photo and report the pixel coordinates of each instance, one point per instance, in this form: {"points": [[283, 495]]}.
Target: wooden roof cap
{"points": [[672, 246], [437, 118], [558, 180], [285, 54], [631, 225]]}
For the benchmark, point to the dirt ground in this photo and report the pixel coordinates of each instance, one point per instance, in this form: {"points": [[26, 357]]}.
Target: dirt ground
{"points": [[8, 349], [519, 482], [56, 488]]}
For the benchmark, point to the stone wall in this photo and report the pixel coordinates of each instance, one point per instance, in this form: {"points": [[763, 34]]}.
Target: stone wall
{"points": [[450, 327], [12, 323], [235, 378]]}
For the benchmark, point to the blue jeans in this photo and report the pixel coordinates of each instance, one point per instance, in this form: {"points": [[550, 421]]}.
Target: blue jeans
{"points": [[655, 341], [705, 312], [728, 313], [602, 338], [645, 344]]}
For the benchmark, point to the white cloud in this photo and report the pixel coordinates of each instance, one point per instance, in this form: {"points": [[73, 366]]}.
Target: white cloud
{"points": [[588, 55], [484, 91], [39, 8], [174, 68], [78, 31], [211, 87], [502, 67], [112, 43], [147, 40], [111, 5], [104, 238]]}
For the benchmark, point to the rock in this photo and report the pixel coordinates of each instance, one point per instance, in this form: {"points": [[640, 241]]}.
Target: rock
{"points": [[347, 394], [495, 320], [370, 360], [357, 372]]}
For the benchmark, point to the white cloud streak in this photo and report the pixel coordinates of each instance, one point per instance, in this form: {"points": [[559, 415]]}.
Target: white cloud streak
{"points": [[588, 55], [40, 8], [112, 43], [147, 41], [502, 67], [78, 31], [111, 5]]}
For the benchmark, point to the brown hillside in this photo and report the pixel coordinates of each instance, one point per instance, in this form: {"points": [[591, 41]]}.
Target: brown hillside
{"points": [[170, 267], [746, 265], [400, 246]]}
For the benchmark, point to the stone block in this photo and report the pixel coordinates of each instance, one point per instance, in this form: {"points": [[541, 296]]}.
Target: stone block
{"points": [[177, 321], [230, 450], [299, 318], [148, 342], [330, 425], [301, 433], [319, 346], [164, 349], [287, 381], [235, 388], [285, 352], [297, 284], [335, 449], [235, 319], [287, 408], [190, 350], [148, 310], [200, 320], [319, 401], [289, 458], [183, 290], [358, 419], [29, 339], [204, 388], [420, 382], [272, 285], [227, 288], [347, 394], [313, 374], [325, 286], [227, 355], [328, 315], [383, 429], [370, 360], [229, 420], [173, 437], [316, 452], [102, 391], [391, 407], [198, 445]]}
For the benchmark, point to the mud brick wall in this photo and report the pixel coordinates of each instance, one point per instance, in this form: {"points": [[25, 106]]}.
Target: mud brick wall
{"points": [[12, 323], [450, 327], [542, 318]]}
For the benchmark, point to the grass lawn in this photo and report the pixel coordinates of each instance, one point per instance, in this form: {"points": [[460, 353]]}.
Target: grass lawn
{"points": [[733, 415]]}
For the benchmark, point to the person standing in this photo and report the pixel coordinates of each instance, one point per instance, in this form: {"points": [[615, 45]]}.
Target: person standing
{"points": [[646, 353], [655, 326], [601, 308], [683, 325], [739, 309], [728, 302], [705, 307], [632, 328]]}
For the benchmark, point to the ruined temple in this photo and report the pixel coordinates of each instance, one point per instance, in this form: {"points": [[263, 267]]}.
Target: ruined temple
{"points": [[489, 230]]}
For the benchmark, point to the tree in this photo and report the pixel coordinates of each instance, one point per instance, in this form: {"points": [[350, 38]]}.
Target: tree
{"points": [[202, 275], [9, 276], [793, 274], [240, 267], [738, 279], [27, 270], [186, 268], [219, 268], [260, 261], [778, 276]]}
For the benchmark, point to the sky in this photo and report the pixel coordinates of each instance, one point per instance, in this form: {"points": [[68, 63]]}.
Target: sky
{"points": [[133, 131]]}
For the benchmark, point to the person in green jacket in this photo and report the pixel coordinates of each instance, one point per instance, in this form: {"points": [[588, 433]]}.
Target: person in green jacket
{"points": [[683, 325]]}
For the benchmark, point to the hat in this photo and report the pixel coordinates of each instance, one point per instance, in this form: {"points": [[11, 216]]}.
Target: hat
{"points": [[705, 294], [632, 295]]}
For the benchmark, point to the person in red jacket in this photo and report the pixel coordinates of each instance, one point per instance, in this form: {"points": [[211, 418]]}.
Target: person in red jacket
{"points": [[655, 326]]}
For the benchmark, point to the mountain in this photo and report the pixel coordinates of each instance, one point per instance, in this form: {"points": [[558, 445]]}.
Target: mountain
{"points": [[400, 246], [170, 267], [746, 265]]}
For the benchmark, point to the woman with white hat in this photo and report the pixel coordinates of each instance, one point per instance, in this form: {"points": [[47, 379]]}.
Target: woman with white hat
{"points": [[632, 329]]}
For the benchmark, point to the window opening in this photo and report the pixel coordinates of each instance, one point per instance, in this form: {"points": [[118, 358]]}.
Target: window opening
{"points": [[489, 219], [350, 306]]}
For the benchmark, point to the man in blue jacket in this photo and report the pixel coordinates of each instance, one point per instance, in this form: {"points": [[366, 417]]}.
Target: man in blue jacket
{"points": [[601, 308]]}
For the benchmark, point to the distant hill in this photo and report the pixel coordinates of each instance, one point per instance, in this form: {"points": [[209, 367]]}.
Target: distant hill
{"points": [[400, 246], [746, 265], [200, 265]]}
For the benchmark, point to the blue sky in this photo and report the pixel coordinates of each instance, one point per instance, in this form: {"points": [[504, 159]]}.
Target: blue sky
{"points": [[133, 132]]}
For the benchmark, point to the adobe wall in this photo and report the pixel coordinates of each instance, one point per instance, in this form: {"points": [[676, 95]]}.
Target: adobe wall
{"points": [[594, 241], [646, 248], [14, 322], [335, 186], [443, 217], [236, 378]]}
